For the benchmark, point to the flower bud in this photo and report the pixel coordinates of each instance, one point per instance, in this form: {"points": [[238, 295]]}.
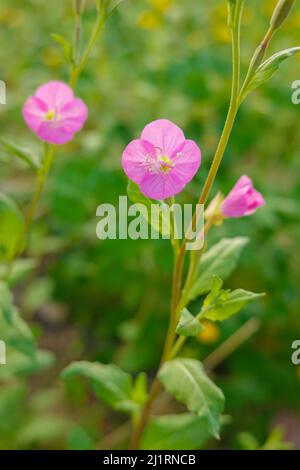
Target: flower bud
{"points": [[281, 12], [242, 200], [213, 213]]}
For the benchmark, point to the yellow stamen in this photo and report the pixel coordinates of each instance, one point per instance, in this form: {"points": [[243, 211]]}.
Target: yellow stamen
{"points": [[50, 115], [166, 164]]}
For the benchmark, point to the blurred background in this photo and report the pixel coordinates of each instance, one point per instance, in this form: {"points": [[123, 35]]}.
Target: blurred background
{"points": [[108, 300]]}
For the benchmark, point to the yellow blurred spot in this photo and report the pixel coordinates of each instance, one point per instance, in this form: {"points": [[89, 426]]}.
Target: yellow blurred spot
{"points": [[161, 5], [210, 334], [52, 57], [222, 34], [195, 40], [220, 27], [295, 19], [149, 20], [11, 17], [268, 7], [298, 372], [248, 15]]}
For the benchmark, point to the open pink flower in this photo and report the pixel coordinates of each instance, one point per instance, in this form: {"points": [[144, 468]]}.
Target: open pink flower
{"points": [[54, 114], [162, 161], [242, 200]]}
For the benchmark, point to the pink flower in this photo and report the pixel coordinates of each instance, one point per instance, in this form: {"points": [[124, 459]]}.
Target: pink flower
{"points": [[162, 161], [54, 114], [242, 200]]}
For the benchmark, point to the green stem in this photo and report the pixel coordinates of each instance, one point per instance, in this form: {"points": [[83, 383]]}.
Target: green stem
{"points": [[173, 230], [77, 33], [41, 176], [232, 111], [195, 259], [156, 386], [44, 170], [228, 126], [179, 257], [255, 62], [77, 68]]}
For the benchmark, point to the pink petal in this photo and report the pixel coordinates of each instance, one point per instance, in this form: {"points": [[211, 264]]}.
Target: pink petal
{"points": [[235, 205], [255, 200], [33, 113], [187, 159], [53, 134], [164, 135], [243, 181], [160, 186], [55, 94], [134, 158], [242, 200], [73, 115]]}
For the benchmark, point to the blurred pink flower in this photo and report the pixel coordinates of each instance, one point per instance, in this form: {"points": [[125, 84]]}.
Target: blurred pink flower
{"points": [[162, 161], [242, 200], [54, 114]]}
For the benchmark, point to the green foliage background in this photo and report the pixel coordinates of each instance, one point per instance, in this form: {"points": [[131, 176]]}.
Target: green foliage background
{"points": [[108, 301]]}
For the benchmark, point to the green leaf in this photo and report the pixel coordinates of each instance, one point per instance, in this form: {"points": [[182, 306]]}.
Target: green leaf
{"points": [[11, 226], [20, 269], [139, 392], [114, 4], [136, 196], [108, 6], [185, 431], [111, 384], [160, 223], [227, 304], [41, 431], [188, 325], [19, 364], [23, 154], [65, 45], [13, 330], [186, 380], [79, 439], [268, 68], [219, 261]]}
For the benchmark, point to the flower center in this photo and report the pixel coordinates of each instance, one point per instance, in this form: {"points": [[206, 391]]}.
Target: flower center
{"points": [[165, 163], [158, 163], [52, 115]]}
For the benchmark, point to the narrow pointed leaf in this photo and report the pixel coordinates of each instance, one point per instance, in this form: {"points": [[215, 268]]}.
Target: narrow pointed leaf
{"points": [[232, 303], [22, 154], [268, 68]]}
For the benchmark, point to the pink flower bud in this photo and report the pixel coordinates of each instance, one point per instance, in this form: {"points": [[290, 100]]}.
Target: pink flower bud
{"points": [[242, 200]]}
